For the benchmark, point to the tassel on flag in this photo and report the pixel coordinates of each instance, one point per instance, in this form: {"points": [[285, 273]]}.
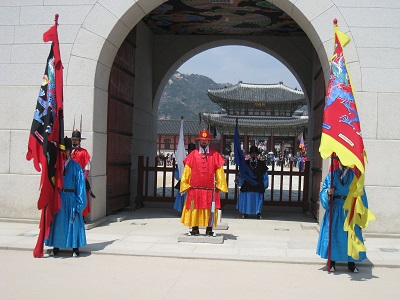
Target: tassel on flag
{"points": [[46, 138], [341, 133]]}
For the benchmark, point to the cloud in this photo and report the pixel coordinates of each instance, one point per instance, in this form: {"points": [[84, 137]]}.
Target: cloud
{"points": [[239, 63]]}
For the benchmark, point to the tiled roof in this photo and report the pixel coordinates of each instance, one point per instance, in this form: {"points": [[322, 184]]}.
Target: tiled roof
{"points": [[256, 125], [173, 126], [245, 92]]}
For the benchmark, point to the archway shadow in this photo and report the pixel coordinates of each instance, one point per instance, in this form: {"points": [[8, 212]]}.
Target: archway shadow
{"points": [[271, 214]]}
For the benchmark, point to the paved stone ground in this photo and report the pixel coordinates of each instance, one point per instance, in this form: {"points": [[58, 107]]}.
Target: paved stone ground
{"points": [[281, 236], [104, 277], [137, 255]]}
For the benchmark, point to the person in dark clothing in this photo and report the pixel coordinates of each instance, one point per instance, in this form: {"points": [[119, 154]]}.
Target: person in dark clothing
{"points": [[251, 197]]}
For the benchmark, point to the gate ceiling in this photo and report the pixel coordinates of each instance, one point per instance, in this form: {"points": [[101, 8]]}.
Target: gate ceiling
{"points": [[224, 17]]}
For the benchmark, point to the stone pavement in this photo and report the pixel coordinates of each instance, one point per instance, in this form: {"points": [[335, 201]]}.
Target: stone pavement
{"points": [[281, 236]]}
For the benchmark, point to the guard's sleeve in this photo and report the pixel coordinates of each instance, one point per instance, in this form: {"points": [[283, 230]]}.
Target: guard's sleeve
{"points": [[221, 180], [265, 180], [185, 179], [323, 195], [80, 187], [239, 181]]}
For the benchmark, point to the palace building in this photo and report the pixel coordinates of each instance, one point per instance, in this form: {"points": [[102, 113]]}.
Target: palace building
{"points": [[272, 115]]}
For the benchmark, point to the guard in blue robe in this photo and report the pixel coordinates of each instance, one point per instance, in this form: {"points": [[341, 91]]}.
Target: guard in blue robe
{"points": [[342, 178], [250, 201], [67, 229]]}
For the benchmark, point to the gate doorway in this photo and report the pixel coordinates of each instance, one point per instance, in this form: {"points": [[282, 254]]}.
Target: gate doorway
{"points": [[119, 126]]}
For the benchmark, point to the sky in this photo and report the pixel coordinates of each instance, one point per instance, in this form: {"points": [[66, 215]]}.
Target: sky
{"points": [[231, 64]]}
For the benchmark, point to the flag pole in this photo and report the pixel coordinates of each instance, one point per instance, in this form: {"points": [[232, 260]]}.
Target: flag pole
{"points": [[330, 218], [38, 251]]}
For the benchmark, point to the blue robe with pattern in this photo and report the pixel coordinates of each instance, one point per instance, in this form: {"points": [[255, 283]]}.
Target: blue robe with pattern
{"points": [[339, 236], [67, 231]]}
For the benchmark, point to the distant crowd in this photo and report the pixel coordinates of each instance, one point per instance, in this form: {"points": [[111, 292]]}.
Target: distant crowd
{"points": [[276, 157]]}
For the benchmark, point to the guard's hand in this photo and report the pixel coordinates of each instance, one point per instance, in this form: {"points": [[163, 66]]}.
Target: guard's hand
{"points": [[331, 191]]}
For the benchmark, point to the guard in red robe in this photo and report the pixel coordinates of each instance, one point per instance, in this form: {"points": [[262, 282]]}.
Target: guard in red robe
{"points": [[82, 157], [203, 177]]}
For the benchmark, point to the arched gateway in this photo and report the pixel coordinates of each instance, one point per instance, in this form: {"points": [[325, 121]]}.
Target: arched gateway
{"points": [[118, 59]]}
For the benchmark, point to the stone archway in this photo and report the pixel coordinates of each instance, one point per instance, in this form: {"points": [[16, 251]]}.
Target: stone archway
{"points": [[98, 41]]}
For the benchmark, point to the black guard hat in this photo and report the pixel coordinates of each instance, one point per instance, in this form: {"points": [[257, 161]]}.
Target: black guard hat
{"points": [[254, 149], [76, 135]]}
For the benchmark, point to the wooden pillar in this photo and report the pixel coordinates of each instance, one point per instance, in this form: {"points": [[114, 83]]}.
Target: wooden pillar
{"points": [[272, 146], [222, 144], [246, 144], [174, 143]]}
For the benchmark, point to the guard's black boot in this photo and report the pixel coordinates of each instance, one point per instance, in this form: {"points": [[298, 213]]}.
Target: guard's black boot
{"points": [[194, 231], [333, 266], [209, 231], [352, 267], [55, 251], [75, 252]]}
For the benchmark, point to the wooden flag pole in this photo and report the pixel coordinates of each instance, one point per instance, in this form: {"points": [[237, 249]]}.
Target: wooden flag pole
{"points": [[330, 218]]}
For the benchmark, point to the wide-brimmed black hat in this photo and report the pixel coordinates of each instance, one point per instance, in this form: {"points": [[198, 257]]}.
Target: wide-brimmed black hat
{"points": [[254, 149], [76, 135]]}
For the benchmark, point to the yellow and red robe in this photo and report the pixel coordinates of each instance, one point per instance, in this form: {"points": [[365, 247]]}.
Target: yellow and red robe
{"points": [[201, 172]]}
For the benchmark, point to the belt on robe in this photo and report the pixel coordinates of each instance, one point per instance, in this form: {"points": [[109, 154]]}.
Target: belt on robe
{"points": [[341, 197], [68, 190], [202, 188]]}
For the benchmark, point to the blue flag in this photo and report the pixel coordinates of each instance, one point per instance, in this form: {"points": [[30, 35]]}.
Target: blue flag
{"points": [[245, 172]]}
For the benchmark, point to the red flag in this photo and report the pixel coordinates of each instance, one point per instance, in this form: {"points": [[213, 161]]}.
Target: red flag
{"points": [[46, 138], [341, 133]]}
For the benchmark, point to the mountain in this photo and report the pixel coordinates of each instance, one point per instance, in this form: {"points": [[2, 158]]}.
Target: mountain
{"points": [[186, 95]]}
